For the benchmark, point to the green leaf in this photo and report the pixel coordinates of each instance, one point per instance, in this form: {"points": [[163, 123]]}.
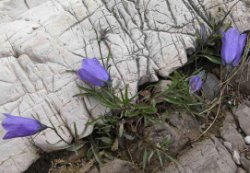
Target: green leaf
{"points": [[121, 129], [165, 143], [106, 140], [159, 157], [213, 59], [108, 59], [145, 159], [75, 131], [97, 158], [150, 156]]}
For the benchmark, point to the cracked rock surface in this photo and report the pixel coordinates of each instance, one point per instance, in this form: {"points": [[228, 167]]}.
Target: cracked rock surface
{"points": [[118, 166], [208, 156], [227, 153], [40, 40]]}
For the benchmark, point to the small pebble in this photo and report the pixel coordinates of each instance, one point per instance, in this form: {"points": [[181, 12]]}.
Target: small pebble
{"points": [[247, 140], [240, 170], [228, 145], [236, 157]]}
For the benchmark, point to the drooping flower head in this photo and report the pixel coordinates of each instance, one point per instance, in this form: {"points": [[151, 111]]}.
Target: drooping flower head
{"points": [[203, 33], [93, 72], [20, 126], [195, 83], [233, 44]]}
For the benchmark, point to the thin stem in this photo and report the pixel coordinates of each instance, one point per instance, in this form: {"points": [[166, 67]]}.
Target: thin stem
{"points": [[229, 76], [218, 102], [59, 135], [217, 113]]}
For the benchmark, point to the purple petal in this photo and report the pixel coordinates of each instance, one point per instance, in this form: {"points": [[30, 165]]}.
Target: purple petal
{"points": [[9, 135], [229, 48], [94, 67], [195, 83], [203, 32], [17, 133], [88, 77], [20, 126], [93, 72], [241, 45]]}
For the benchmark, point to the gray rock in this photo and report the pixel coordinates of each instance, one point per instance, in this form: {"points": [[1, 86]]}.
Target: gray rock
{"points": [[242, 79], [247, 140], [243, 115], [245, 163], [240, 170], [208, 156], [228, 145], [40, 40], [236, 157], [186, 124], [118, 166], [230, 134], [180, 129], [158, 133], [211, 86]]}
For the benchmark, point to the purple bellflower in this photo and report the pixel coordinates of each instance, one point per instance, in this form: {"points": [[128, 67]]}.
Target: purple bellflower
{"points": [[203, 33], [233, 44], [20, 126], [195, 83], [93, 72]]}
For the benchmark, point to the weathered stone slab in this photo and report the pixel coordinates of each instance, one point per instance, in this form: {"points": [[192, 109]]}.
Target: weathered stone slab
{"points": [[118, 166], [242, 113], [40, 40], [230, 133], [208, 156]]}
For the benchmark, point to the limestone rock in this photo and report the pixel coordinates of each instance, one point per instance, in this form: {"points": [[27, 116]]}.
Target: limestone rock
{"points": [[161, 132], [40, 40], [245, 163], [208, 156], [247, 140], [186, 124], [243, 116], [118, 166], [240, 170], [242, 79], [180, 129], [236, 157], [211, 86], [230, 134]]}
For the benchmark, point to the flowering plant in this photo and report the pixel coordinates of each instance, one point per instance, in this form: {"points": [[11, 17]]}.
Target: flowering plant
{"points": [[20, 126], [93, 72], [195, 83], [233, 44]]}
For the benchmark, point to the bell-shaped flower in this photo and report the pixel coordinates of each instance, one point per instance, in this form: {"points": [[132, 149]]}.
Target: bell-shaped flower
{"points": [[20, 126], [233, 44], [195, 83], [93, 72]]}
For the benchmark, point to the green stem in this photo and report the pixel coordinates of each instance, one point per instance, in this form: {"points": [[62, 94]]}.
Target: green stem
{"points": [[59, 135]]}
